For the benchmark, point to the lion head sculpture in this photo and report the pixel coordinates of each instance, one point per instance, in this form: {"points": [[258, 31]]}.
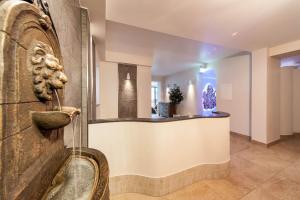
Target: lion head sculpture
{"points": [[48, 74]]}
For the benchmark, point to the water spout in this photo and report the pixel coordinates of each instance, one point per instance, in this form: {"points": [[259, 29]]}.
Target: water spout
{"points": [[74, 124], [57, 97], [77, 171]]}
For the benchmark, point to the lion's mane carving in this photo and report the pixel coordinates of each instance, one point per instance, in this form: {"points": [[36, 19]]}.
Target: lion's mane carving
{"points": [[47, 72]]}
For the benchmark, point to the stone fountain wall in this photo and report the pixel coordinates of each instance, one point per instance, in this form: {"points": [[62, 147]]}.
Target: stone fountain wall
{"points": [[29, 158], [66, 15]]}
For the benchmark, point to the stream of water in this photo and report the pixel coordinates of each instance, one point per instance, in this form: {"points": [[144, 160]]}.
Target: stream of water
{"points": [[76, 168], [59, 105], [75, 173], [76, 179]]}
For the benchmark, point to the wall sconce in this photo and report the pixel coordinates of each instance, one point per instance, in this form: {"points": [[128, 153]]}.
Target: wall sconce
{"points": [[128, 76], [203, 68]]}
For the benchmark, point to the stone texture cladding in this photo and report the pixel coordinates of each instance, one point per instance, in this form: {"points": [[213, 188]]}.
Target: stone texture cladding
{"points": [[127, 98], [66, 15], [29, 157]]}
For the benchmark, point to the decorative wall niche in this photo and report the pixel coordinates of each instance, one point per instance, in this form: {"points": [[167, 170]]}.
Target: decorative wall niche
{"points": [[127, 98]]}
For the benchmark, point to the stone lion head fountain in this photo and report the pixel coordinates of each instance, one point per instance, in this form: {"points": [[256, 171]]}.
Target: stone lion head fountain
{"points": [[47, 72]]}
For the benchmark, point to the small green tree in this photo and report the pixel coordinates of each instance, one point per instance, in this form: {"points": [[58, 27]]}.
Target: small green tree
{"points": [[175, 95]]}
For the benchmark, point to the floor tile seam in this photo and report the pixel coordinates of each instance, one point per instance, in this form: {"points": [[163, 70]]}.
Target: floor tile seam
{"points": [[254, 163], [239, 151], [260, 165], [186, 187], [297, 160], [165, 198], [256, 186], [297, 183], [216, 192], [259, 185], [205, 184], [273, 176], [251, 190], [291, 162]]}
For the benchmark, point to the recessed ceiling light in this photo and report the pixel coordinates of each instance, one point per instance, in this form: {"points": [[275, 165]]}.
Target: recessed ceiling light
{"points": [[234, 34]]}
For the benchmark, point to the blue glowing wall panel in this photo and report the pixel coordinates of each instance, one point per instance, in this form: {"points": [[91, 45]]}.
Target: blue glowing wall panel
{"points": [[208, 90]]}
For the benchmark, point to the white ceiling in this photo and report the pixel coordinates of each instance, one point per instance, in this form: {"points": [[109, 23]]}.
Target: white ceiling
{"points": [[258, 23], [170, 54]]}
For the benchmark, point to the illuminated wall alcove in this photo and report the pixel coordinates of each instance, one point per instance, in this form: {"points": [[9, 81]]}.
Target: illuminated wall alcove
{"points": [[208, 90]]}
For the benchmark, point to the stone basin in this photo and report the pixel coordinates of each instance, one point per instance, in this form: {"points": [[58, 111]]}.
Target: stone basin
{"points": [[82, 176], [59, 118]]}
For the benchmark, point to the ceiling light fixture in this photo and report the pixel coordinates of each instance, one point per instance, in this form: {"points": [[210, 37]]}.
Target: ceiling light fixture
{"points": [[128, 76], [203, 68], [234, 34]]}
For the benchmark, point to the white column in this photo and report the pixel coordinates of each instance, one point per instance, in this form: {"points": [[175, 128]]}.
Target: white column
{"points": [[144, 91], [259, 95]]}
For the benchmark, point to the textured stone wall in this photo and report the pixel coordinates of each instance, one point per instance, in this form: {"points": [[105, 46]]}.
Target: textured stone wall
{"points": [[66, 15], [67, 20], [29, 157], [86, 61], [127, 91]]}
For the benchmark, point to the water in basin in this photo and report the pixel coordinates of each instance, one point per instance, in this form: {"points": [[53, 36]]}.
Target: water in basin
{"points": [[75, 181]]}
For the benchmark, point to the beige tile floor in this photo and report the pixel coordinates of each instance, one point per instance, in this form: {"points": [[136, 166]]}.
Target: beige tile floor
{"points": [[257, 173]]}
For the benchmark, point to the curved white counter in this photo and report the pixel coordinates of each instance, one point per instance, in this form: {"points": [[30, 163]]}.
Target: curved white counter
{"points": [[161, 148]]}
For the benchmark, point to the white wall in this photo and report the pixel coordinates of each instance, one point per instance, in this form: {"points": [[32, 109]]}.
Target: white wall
{"points": [[161, 149], [266, 75], [161, 85], [289, 101], [259, 95], [109, 88], [296, 101], [233, 71], [275, 96], [233, 91], [286, 99], [144, 91], [273, 99], [192, 95]]}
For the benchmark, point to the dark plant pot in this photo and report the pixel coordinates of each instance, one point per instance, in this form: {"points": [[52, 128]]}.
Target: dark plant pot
{"points": [[172, 110]]}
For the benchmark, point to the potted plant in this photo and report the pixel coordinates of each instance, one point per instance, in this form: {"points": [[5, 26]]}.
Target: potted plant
{"points": [[175, 97]]}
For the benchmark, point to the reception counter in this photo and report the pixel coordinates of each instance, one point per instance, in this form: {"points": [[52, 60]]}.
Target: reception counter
{"points": [[158, 156]]}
